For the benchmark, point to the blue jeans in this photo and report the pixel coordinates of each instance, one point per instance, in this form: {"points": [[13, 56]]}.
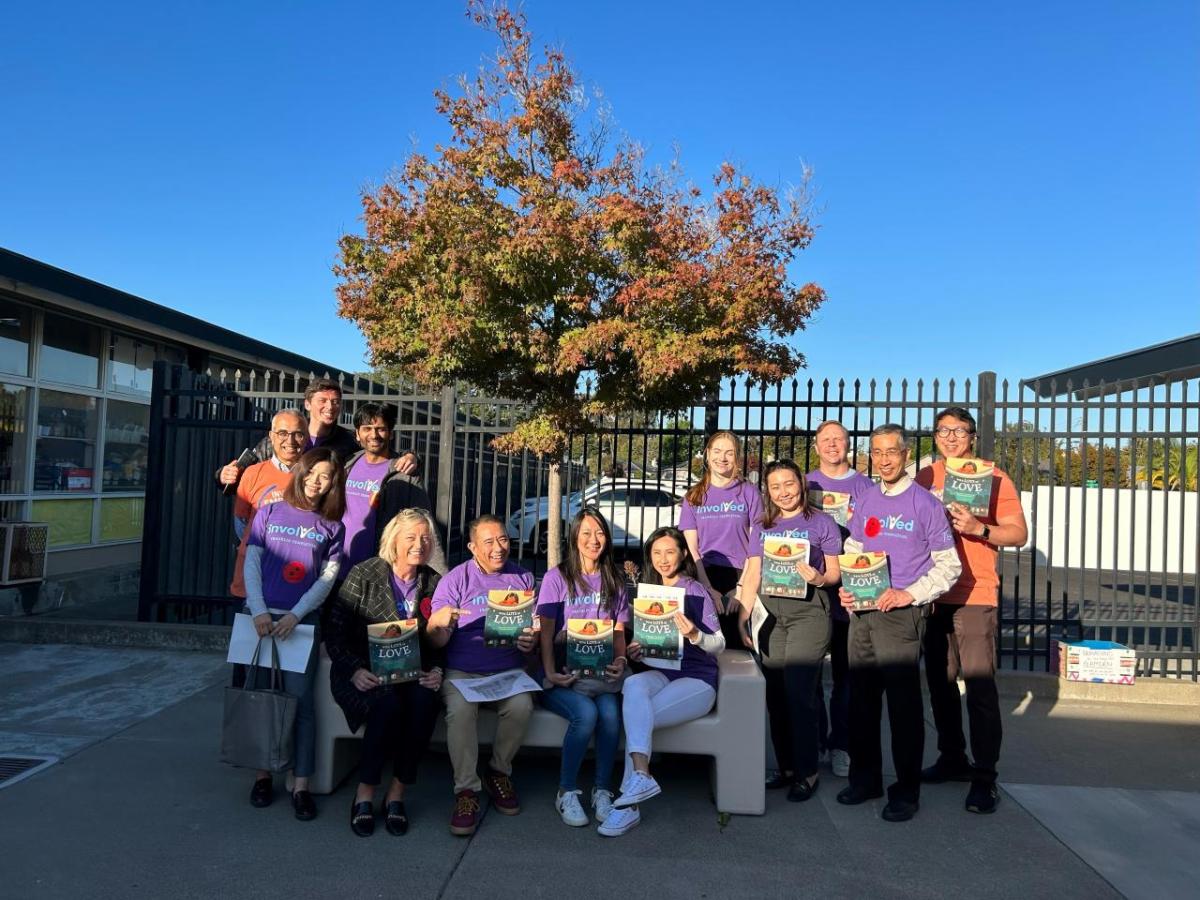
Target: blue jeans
{"points": [[599, 715]]}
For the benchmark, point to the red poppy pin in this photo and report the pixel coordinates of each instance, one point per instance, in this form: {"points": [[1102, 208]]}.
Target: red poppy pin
{"points": [[873, 527], [426, 607], [293, 572]]}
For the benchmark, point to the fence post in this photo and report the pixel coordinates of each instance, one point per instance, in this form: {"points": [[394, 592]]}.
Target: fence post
{"points": [[152, 505], [445, 474], [712, 412], [985, 445]]}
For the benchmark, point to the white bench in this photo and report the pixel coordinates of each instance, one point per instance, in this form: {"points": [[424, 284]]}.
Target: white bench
{"points": [[732, 734]]}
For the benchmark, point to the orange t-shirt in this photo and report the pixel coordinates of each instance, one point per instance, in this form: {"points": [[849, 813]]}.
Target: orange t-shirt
{"points": [[261, 484], [978, 585]]}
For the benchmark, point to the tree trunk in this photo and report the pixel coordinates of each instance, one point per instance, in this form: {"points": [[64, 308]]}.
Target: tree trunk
{"points": [[555, 529]]}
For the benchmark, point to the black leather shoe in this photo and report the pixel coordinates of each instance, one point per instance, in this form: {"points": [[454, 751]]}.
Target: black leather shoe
{"points": [[262, 793], [854, 795], [395, 817], [983, 797], [362, 818], [945, 770], [802, 790], [303, 806], [779, 780], [900, 810]]}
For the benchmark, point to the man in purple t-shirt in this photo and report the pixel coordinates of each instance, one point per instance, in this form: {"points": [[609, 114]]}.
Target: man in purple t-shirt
{"points": [[908, 523], [459, 610], [834, 475]]}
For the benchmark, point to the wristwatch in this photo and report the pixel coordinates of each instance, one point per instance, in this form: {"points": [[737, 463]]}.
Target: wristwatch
{"points": [[987, 532]]}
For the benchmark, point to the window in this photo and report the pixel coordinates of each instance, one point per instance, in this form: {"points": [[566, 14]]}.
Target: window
{"points": [[130, 365], [70, 351], [126, 443], [70, 521], [66, 443], [14, 438], [121, 518], [15, 326], [608, 498]]}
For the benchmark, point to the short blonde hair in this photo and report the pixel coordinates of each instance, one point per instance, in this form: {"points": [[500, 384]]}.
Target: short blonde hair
{"points": [[406, 518]]}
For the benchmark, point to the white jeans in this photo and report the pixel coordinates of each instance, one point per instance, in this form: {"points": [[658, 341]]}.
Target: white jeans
{"points": [[653, 701]]}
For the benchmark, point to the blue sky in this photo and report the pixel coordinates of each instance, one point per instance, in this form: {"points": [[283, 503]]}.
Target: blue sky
{"points": [[1005, 186]]}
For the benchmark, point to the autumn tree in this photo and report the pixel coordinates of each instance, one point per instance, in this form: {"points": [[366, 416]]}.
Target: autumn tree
{"points": [[534, 247]]}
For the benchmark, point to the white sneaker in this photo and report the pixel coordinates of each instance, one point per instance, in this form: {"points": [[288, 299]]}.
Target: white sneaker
{"points": [[602, 803], [571, 809], [839, 761], [638, 788], [619, 822]]}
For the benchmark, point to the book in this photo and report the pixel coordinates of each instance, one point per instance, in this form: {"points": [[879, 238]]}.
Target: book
{"points": [[969, 482], [780, 575], [654, 625], [866, 576], [509, 613], [589, 647], [395, 650], [834, 503]]}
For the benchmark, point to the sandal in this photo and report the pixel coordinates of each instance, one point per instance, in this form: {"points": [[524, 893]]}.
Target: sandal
{"points": [[362, 818], [395, 817]]}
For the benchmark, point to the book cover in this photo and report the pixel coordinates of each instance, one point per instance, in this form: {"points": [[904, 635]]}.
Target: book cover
{"points": [[780, 575], [509, 613], [395, 650], [654, 625], [866, 576], [589, 647], [969, 482], [834, 503]]}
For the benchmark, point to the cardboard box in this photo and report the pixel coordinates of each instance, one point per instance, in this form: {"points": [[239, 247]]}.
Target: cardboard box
{"points": [[1101, 661]]}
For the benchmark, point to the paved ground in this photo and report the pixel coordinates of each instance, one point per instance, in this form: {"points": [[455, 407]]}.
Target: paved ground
{"points": [[140, 807]]}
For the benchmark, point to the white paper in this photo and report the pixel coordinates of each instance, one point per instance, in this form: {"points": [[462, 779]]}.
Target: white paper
{"points": [[491, 688], [758, 615], [293, 652]]}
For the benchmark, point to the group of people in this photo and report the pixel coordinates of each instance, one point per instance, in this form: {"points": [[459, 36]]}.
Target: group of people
{"points": [[339, 535]]}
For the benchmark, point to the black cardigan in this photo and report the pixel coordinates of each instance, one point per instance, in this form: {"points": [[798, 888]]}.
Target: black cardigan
{"points": [[368, 589]]}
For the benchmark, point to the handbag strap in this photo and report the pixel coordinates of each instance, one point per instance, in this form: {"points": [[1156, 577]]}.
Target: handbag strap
{"points": [[276, 671]]}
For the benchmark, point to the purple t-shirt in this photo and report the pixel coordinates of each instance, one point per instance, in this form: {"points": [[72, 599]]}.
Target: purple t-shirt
{"points": [[404, 592], [907, 526], [466, 587], [296, 544], [722, 522], [698, 607], [362, 494], [822, 533], [556, 601]]}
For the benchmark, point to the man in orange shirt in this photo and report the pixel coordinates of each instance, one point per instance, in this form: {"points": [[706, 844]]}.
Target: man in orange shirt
{"points": [[960, 636]]}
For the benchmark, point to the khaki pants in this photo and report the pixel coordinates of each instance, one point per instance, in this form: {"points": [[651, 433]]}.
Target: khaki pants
{"points": [[462, 736]]}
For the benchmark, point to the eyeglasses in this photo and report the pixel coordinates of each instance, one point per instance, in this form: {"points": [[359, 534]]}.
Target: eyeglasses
{"points": [[297, 437], [957, 431], [890, 453]]}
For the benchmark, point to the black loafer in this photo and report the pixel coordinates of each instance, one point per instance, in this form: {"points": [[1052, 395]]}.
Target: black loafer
{"points": [[395, 817], [303, 806], [779, 780], [854, 795], [362, 818], [900, 810], [802, 790], [983, 797], [262, 793]]}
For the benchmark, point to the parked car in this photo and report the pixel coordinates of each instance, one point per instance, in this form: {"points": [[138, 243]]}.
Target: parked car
{"points": [[633, 508]]}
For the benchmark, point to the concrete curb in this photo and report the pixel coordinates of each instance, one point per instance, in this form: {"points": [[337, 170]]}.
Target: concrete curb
{"points": [[1045, 686], [147, 635]]}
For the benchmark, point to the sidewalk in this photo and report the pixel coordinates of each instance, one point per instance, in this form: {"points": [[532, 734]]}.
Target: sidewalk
{"points": [[140, 807]]}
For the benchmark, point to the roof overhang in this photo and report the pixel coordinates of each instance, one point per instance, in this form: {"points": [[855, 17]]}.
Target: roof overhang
{"points": [[1170, 361]]}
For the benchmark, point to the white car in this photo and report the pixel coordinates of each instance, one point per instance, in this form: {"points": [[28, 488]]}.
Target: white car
{"points": [[632, 508]]}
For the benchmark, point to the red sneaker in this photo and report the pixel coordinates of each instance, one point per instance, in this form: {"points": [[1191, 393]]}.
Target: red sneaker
{"points": [[465, 818], [502, 792]]}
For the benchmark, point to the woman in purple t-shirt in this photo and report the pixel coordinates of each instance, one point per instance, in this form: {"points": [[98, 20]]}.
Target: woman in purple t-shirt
{"points": [[715, 518], [293, 556], [586, 586], [794, 638], [661, 697]]}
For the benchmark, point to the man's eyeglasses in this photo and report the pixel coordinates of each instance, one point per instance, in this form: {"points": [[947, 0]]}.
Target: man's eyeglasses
{"points": [[296, 437], [957, 431], [890, 453]]}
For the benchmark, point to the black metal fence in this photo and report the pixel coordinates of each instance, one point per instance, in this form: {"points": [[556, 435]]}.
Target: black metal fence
{"points": [[1107, 475]]}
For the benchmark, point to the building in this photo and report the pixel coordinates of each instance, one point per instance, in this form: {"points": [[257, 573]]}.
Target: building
{"points": [[76, 360]]}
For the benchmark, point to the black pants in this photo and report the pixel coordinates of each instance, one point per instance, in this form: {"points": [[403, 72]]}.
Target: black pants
{"points": [[793, 655], [725, 579], [400, 723], [835, 724], [885, 649], [960, 641]]}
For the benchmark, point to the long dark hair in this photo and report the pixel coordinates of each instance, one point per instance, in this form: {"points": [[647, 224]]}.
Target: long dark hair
{"points": [[330, 505], [698, 492], [572, 565], [771, 512], [687, 565]]}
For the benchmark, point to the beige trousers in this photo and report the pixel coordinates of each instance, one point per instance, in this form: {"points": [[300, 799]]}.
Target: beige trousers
{"points": [[462, 736]]}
